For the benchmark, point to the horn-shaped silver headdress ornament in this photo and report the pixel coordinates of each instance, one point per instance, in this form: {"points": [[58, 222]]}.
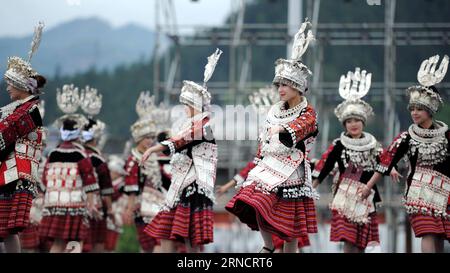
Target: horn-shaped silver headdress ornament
{"points": [[428, 76], [352, 88]]}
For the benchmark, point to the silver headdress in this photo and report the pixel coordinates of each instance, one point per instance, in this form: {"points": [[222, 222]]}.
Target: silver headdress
{"points": [[145, 125], [293, 72], [161, 116], [423, 95], [19, 72], [91, 103], [196, 95], [352, 88], [68, 100]]}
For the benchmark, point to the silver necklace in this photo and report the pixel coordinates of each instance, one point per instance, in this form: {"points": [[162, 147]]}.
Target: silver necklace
{"points": [[362, 152], [429, 144]]}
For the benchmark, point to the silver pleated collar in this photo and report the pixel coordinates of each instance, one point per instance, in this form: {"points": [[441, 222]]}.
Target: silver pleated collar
{"points": [[428, 135], [367, 142], [279, 115]]}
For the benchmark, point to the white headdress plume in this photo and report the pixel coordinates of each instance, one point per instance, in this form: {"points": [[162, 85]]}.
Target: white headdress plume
{"points": [[68, 99], [355, 85], [211, 65], [90, 101], [301, 41], [428, 75], [36, 40]]}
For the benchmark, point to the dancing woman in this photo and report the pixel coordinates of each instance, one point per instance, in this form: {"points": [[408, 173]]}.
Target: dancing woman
{"points": [[356, 153], [187, 215], [426, 146], [277, 196], [69, 180], [21, 143]]}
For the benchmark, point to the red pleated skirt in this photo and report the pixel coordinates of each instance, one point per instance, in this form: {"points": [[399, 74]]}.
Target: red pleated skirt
{"points": [[425, 224], [191, 219], [358, 235], [146, 242], [29, 237], [64, 227], [14, 212], [285, 218], [96, 234]]}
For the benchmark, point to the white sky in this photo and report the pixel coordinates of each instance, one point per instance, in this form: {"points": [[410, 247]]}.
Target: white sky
{"points": [[18, 17]]}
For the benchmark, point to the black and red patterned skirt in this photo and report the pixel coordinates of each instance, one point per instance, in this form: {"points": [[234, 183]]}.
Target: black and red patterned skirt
{"points": [[303, 241], [426, 224], [29, 237], [15, 205], [96, 234], [65, 227], [191, 219], [286, 218], [358, 235]]}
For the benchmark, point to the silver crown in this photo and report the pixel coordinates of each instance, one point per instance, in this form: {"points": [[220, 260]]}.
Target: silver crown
{"points": [[196, 95], [68, 101], [19, 72], [68, 98], [422, 95], [355, 85], [352, 88], [90, 101], [428, 75], [293, 72], [161, 116], [145, 125]]}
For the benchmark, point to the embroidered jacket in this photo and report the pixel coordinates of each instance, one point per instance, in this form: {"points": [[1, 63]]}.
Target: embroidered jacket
{"points": [[194, 159], [401, 147], [21, 141], [68, 176], [101, 170], [284, 164], [333, 155]]}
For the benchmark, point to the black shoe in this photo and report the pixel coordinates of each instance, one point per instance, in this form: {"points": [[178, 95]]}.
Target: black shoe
{"points": [[267, 249]]}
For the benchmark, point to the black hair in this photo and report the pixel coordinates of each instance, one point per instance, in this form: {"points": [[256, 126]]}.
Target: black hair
{"points": [[162, 136], [41, 80], [91, 124], [69, 124]]}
